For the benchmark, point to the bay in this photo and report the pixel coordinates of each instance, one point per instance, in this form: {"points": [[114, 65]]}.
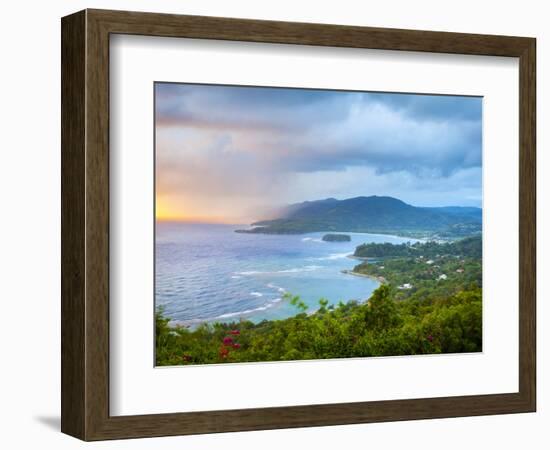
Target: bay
{"points": [[209, 273]]}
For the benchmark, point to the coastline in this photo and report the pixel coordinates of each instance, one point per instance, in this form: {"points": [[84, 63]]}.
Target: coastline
{"points": [[193, 324], [298, 233], [359, 258], [256, 310], [380, 280]]}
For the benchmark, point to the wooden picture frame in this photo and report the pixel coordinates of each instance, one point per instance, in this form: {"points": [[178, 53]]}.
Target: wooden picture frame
{"points": [[85, 224]]}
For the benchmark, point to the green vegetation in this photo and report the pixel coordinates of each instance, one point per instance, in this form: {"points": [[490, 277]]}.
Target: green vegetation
{"points": [[381, 327], [373, 214], [424, 270], [466, 248], [429, 302], [331, 237]]}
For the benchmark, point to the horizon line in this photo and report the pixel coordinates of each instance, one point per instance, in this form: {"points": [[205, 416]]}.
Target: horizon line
{"points": [[198, 221]]}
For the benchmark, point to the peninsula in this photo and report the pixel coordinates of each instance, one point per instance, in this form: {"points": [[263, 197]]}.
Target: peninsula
{"points": [[374, 214]]}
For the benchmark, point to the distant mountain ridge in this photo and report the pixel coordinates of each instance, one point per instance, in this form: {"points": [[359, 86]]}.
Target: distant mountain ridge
{"points": [[371, 214]]}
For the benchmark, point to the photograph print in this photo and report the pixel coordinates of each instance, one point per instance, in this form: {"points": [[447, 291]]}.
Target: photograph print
{"points": [[306, 224]]}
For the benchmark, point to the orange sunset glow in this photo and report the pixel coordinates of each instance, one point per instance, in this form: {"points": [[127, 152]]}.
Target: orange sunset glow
{"points": [[166, 212], [169, 209]]}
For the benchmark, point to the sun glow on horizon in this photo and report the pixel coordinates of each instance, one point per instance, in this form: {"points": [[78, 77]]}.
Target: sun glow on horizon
{"points": [[169, 211], [197, 219]]}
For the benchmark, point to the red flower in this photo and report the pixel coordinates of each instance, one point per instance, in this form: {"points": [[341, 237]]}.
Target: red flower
{"points": [[187, 358], [224, 352], [430, 338], [235, 332], [227, 340], [236, 345]]}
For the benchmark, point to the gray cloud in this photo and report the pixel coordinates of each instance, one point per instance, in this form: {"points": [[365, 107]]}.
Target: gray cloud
{"points": [[231, 142]]}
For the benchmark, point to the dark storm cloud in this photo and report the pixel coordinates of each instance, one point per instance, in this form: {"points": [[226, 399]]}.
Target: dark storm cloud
{"points": [[238, 107], [434, 107], [326, 130]]}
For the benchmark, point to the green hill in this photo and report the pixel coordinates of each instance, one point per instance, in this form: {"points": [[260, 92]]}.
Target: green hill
{"points": [[372, 214], [469, 247]]}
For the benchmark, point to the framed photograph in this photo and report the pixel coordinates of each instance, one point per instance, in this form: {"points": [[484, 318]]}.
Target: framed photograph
{"points": [[272, 225]]}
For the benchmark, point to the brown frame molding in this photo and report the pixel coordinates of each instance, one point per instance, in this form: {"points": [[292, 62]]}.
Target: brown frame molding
{"points": [[85, 224]]}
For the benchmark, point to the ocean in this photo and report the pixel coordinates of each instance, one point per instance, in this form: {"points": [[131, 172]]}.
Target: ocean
{"points": [[209, 273]]}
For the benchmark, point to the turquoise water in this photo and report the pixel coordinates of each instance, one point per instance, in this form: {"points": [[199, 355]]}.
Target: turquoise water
{"points": [[210, 273]]}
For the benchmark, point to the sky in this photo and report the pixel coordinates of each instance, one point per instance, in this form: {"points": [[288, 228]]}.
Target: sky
{"points": [[231, 154]]}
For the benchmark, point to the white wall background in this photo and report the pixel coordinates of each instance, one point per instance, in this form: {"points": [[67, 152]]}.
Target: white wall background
{"points": [[30, 221]]}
